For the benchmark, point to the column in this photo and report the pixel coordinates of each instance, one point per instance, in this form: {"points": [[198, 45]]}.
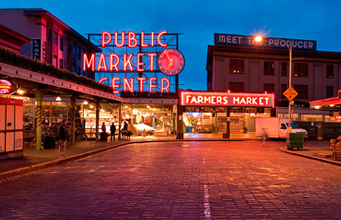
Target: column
{"points": [[228, 135], [179, 120], [73, 119], [39, 119], [97, 102], [119, 120]]}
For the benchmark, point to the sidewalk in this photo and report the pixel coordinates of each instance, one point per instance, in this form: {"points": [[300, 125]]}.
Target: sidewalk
{"points": [[317, 150], [34, 160]]}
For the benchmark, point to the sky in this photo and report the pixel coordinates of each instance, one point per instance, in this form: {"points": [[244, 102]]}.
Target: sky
{"points": [[198, 20]]}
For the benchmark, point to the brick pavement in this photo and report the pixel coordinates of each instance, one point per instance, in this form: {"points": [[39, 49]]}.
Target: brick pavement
{"points": [[179, 180]]}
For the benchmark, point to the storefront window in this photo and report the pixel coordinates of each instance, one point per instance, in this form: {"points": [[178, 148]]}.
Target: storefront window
{"points": [[311, 117], [59, 109], [294, 117], [332, 118], [46, 109], [28, 109]]}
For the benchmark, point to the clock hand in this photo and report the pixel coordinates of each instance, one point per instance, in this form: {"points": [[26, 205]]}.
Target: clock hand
{"points": [[166, 52]]}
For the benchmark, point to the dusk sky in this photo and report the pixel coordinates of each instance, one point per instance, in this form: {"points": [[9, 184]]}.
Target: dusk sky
{"points": [[198, 21]]}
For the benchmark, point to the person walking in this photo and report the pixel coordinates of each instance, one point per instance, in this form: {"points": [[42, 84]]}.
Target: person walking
{"points": [[112, 130], [264, 138], [62, 139]]}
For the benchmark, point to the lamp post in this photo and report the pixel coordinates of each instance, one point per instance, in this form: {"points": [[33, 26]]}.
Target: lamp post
{"points": [[289, 46]]}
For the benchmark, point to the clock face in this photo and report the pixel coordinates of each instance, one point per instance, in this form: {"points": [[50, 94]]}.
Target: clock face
{"points": [[171, 62]]}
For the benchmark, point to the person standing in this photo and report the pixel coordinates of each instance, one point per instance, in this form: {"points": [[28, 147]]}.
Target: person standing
{"points": [[104, 129], [112, 130], [62, 139]]}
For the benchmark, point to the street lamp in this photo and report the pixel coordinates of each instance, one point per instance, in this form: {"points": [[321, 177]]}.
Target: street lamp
{"points": [[289, 46]]}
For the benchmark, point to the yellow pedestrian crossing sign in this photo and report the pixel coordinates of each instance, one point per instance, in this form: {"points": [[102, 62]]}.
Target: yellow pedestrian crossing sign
{"points": [[290, 93]]}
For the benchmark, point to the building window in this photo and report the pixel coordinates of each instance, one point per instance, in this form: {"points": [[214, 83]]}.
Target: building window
{"points": [[283, 89], [284, 70], [54, 61], [236, 86], [79, 52], [236, 66], [55, 38], [302, 91], [78, 70], [301, 69], [270, 88], [330, 91], [74, 68], [269, 68], [330, 71], [70, 48], [74, 50], [61, 45], [61, 63], [50, 35]]}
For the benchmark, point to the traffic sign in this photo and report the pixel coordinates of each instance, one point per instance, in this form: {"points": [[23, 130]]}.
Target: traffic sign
{"points": [[290, 93]]}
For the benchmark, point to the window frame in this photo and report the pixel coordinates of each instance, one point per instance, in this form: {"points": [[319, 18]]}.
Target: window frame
{"points": [[268, 71], [236, 65]]}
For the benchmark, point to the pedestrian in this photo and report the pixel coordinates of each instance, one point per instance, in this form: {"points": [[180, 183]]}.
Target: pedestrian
{"points": [[264, 138], [125, 126], [63, 135], [104, 129], [112, 130]]}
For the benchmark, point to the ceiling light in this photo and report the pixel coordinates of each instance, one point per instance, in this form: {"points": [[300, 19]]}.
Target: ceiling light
{"points": [[58, 99]]}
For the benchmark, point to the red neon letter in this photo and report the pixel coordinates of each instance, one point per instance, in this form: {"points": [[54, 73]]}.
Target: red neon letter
{"points": [[152, 39], [126, 84], [114, 85], [151, 84], [141, 79], [132, 37], [116, 39], [112, 64], [159, 38], [142, 40], [139, 63], [87, 63], [103, 79], [163, 87], [104, 34], [151, 55], [127, 62], [102, 64]]}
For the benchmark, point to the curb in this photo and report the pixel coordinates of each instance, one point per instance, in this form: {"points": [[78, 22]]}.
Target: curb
{"points": [[337, 163], [36, 167]]}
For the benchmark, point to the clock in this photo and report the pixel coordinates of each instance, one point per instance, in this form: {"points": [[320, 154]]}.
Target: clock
{"points": [[171, 62]]}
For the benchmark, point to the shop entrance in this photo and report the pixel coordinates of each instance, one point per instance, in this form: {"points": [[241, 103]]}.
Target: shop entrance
{"points": [[204, 120]]}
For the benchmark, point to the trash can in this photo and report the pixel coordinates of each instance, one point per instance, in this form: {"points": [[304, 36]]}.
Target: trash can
{"points": [[104, 136], [295, 140], [50, 142]]}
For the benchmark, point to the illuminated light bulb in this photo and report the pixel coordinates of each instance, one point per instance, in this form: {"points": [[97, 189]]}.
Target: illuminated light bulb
{"points": [[58, 99], [258, 38], [20, 91], [85, 102]]}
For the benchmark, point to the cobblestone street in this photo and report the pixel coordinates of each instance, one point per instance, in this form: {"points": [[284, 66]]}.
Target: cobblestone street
{"points": [[179, 180]]}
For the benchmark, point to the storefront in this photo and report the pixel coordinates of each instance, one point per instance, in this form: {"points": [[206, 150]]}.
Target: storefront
{"points": [[213, 112]]}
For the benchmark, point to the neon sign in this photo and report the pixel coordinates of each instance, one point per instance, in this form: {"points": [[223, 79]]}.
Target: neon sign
{"points": [[191, 98], [128, 84], [5, 86], [121, 59], [112, 62]]}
